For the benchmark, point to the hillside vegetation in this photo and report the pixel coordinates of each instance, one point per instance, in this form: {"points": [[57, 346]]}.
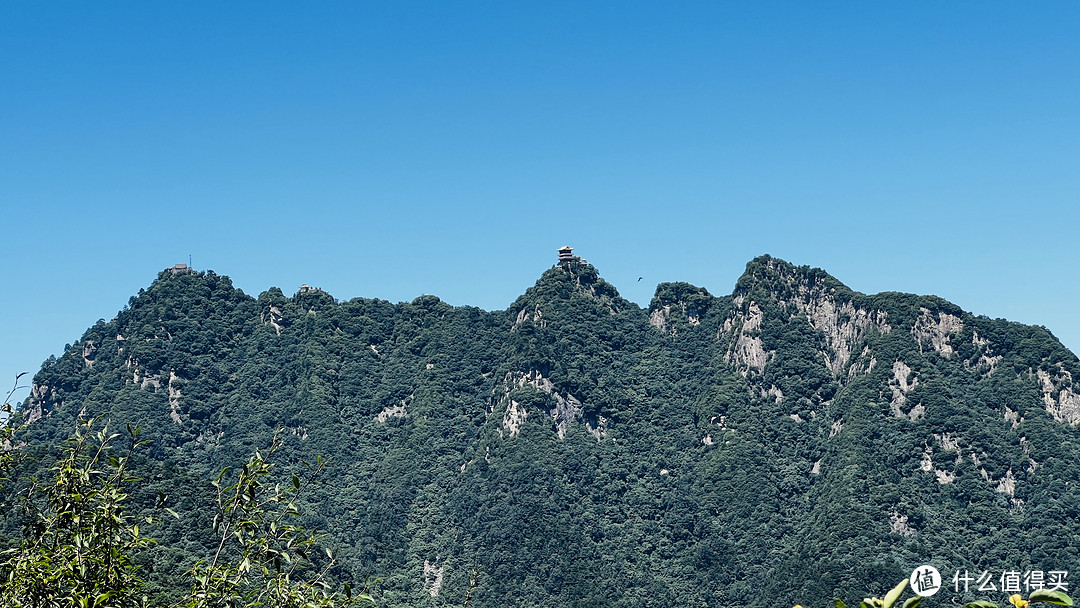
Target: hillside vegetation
{"points": [[788, 443]]}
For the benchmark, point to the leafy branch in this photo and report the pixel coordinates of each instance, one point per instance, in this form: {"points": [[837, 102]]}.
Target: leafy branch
{"points": [[255, 523]]}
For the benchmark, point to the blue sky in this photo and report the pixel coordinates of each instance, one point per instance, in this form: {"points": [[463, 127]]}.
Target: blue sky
{"points": [[394, 149]]}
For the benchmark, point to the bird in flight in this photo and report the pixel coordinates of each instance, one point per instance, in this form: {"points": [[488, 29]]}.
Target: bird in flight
{"points": [[639, 279]]}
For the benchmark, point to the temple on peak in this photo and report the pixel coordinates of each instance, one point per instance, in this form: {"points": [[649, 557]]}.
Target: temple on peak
{"points": [[566, 255]]}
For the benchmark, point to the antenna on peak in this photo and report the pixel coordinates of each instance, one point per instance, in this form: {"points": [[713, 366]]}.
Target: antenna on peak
{"points": [[189, 261]]}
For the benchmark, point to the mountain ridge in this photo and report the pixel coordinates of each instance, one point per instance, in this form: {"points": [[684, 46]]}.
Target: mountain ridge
{"points": [[580, 449]]}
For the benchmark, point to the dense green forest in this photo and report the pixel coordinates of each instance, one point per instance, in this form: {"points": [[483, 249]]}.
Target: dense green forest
{"points": [[788, 443]]}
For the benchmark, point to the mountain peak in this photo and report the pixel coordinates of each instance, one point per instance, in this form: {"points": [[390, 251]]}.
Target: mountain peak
{"points": [[572, 277], [780, 279]]}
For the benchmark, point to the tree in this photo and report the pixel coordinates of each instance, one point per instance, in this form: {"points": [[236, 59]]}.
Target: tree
{"points": [[78, 542], [256, 524]]}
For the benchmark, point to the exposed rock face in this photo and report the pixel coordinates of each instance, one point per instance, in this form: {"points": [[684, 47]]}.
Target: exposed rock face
{"points": [[566, 406], [514, 417], [948, 442], [566, 409], [535, 315], [393, 411], [986, 362], [916, 412], [39, 394], [898, 524], [1012, 417], [1058, 391], [433, 578], [937, 332], [149, 380], [600, 430], [174, 397], [843, 325], [659, 318], [901, 372], [1026, 446], [900, 387], [1007, 485], [205, 438], [775, 393], [89, 350], [951, 443], [864, 364], [273, 318], [678, 304], [747, 352], [927, 461]]}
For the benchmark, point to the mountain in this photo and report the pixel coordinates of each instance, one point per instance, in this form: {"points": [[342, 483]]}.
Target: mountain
{"points": [[788, 443]]}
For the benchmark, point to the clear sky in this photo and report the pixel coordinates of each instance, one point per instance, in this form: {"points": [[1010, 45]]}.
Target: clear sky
{"points": [[393, 149]]}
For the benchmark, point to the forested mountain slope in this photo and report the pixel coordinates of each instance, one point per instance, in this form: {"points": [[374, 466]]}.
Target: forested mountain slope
{"points": [[783, 444]]}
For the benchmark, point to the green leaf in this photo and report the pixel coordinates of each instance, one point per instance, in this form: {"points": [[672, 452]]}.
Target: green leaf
{"points": [[980, 604], [839, 603], [1047, 596], [894, 594], [912, 602]]}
